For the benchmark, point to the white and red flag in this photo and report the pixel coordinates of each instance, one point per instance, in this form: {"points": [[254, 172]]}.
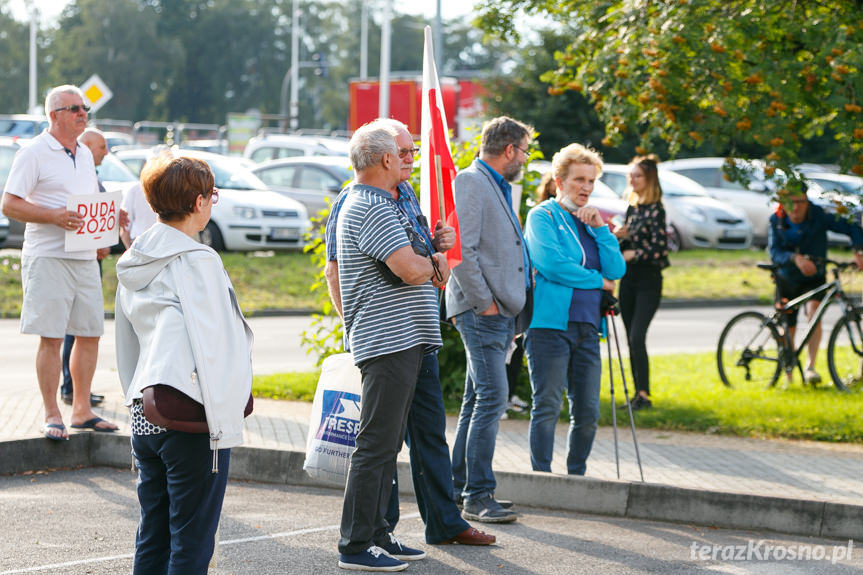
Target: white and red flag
{"points": [[437, 170]]}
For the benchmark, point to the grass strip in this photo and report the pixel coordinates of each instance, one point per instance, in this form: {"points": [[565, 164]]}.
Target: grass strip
{"points": [[689, 396]]}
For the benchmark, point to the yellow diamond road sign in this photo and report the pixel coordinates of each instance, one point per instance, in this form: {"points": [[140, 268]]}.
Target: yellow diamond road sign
{"points": [[96, 92]]}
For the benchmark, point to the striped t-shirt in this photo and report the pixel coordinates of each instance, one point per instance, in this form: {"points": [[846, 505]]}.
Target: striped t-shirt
{"points": [[379, 318]]}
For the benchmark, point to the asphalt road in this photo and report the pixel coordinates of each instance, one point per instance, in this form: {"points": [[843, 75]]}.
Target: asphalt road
{"points": [[86, 523], [277, 344]]}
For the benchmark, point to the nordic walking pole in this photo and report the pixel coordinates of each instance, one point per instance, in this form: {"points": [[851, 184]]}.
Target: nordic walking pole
{"points": [[611, 387], [626, 393]]}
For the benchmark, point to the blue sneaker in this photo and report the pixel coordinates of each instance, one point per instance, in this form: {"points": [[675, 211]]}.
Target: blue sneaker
{"points": [[399, 551], [372, 559]]}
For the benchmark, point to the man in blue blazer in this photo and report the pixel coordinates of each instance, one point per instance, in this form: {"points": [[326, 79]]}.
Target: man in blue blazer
{"points": [[484, 295]]}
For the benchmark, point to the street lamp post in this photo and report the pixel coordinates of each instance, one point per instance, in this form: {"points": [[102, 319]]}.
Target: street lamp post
{"points": [[34, 15]]}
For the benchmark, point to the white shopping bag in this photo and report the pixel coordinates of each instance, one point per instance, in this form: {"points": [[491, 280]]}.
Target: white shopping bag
{"points": [[335, 420]]}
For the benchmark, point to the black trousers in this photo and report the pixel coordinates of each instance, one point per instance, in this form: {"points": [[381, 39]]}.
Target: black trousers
{"points": [[640, 293], [389, 382]]}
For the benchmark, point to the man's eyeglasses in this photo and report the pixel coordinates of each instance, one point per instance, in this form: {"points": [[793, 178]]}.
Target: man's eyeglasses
{"points": [[74, 109], [405, 151], [525, 152], [214, 197]]}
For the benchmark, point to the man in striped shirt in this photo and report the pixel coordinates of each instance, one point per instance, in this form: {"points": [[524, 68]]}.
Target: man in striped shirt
{"points": [[431, 467], [389, 325]]}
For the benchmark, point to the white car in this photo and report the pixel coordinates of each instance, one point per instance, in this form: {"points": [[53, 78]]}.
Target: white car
{"points": [[248, 216], [274, 146], [755, 200], [696, 219], [842, 183]]}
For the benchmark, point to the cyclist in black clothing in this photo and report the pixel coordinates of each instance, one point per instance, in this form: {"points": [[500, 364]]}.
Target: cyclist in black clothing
{"points": [[798, 245]]}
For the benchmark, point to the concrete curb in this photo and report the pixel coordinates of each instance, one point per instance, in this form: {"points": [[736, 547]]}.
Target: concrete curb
{"points": [[585, 495]]}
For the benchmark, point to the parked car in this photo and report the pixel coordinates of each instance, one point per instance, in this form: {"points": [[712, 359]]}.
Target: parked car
{"points": [[310, 180], [830, 190], [248, 216], [22, 125], [695, 219], [14, 235], [844, 184], [755, 199], [274, 146], [116, 139], [114, 174]]}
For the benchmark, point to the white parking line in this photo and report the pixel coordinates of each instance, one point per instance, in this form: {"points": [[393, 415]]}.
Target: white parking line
{"points": [[221, 543]]}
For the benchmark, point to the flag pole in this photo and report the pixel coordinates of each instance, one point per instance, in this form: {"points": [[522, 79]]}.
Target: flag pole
{"points": [[440, 201]]}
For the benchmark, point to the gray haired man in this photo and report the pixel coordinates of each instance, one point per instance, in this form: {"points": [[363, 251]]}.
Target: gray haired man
{"points": [[62, 290], [390, 321]]}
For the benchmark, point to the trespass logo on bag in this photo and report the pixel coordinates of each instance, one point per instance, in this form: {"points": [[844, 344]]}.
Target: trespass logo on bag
{"points": [[340, 418]]}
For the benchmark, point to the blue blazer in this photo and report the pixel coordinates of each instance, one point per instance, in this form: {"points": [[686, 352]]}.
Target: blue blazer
{"points": [[558, 257]]}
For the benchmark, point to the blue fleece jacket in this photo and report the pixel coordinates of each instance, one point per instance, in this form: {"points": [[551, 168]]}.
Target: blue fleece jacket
{"points": [[557, 255]]}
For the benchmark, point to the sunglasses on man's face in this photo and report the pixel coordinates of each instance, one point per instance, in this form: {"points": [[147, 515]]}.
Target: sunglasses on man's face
{"points": [[74, 109]]}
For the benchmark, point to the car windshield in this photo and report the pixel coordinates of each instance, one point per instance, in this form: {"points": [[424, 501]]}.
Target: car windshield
{"points": [[232, 175], [113, 170], [675, 185], [841, 186]]}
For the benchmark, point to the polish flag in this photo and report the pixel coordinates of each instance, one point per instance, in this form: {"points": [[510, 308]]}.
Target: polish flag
{"points": [[437, 170]]}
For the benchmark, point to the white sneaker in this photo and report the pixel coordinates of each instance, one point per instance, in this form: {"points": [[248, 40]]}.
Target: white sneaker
{"points": [[516, 404], [811, 376]]}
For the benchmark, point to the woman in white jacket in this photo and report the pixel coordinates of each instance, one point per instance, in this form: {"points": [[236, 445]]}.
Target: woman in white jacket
{"points": [[178, 324]]}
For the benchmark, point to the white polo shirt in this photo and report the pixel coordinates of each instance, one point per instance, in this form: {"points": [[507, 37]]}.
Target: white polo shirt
{"points": [[44, 174], [141, 215]]}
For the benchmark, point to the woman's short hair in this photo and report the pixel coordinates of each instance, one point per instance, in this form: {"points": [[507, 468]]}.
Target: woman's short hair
{"points": [[172, 185], [370, 142], [652, 191], [574, 154]]}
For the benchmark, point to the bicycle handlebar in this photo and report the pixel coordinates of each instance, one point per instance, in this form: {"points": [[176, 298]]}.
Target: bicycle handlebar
{"points": [[840, 266]]}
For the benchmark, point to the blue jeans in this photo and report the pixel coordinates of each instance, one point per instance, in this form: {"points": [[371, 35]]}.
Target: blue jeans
{"points": [[181, 500], [563, 360], [486, 339], [431, 467]]}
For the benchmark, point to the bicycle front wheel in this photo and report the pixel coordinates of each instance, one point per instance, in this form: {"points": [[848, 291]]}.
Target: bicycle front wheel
{"points": [[748, 354], [845, 352]]}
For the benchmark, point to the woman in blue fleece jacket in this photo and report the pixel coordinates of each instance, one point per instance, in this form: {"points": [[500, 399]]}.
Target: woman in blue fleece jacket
{"points": [[575, 257]]}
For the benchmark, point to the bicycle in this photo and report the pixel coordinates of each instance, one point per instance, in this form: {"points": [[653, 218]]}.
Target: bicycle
{"points": [[754, 348]]}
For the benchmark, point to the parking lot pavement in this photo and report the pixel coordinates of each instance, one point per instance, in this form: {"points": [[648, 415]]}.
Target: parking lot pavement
{"points": [[83, 521]]}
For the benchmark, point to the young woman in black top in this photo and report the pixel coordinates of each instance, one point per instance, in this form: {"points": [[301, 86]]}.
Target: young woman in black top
{"points": [[644, 244]]}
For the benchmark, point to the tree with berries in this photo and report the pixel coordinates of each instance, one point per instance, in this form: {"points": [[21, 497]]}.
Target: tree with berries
{"points": [[742, 74]]}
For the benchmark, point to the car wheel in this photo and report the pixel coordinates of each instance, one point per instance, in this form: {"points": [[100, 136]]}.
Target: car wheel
{"points": [[211, 236], [675, 244]]}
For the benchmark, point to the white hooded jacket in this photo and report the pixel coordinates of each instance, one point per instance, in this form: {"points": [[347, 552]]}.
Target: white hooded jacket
{"points": [[178, 323]]}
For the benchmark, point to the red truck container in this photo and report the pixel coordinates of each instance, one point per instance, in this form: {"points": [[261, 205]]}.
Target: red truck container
{"points": [[460, 101]]}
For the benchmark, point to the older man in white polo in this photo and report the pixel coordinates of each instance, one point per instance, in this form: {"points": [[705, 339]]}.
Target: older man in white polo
{"points": [[62, 289]]}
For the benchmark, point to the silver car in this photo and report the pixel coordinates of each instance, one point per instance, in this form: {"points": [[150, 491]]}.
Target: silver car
{"points": [[311, 180], [695, 219]]}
